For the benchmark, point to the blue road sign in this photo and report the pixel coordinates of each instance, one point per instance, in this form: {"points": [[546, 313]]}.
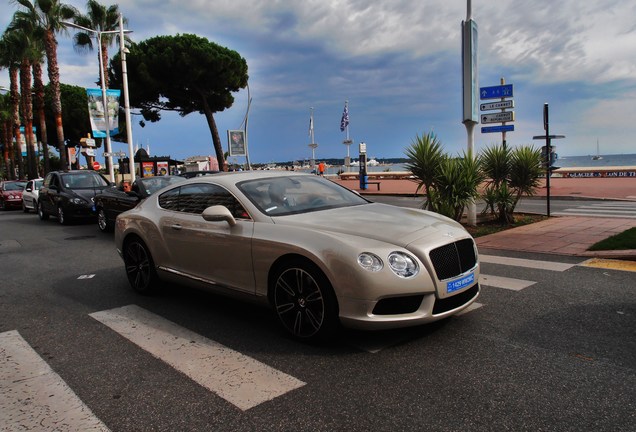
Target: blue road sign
{"points": [[495, 92], [502, 128]]}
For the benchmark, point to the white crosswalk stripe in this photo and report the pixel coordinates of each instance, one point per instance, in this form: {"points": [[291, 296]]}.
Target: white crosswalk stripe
{"points": [[520, 262], [33, 396], [237, 378], [504, 282], [614, 209]]}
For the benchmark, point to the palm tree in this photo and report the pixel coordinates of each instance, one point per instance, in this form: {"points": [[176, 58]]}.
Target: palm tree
{"points": [[99, 18], [10, 58], [50, 15], [25, 32]]}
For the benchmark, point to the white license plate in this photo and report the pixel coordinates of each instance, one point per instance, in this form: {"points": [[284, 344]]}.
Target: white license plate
{"points": [[460, 283]]}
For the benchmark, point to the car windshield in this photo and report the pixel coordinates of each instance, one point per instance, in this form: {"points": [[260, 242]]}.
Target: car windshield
{"points": [[83, 181], [14, 186], [278, 196], [153, 184]]}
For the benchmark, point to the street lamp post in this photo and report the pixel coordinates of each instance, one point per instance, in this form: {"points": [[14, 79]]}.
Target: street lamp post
{"points": [[98, 35]]}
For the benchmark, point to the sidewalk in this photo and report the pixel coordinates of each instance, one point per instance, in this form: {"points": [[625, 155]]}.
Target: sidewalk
{"points": [[568, 235]]}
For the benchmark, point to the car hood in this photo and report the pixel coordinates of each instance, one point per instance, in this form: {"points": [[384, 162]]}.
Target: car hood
{"points": [[87, 194], [396, 225]]}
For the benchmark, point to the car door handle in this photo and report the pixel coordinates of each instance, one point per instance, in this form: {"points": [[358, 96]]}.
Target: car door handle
{"points": [[176, 227]]}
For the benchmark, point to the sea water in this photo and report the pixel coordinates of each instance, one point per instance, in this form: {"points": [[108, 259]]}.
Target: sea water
{"points": [[564, 162]]}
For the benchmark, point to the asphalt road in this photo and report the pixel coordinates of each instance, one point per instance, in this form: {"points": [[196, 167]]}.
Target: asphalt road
{"points": [[557, 355]]}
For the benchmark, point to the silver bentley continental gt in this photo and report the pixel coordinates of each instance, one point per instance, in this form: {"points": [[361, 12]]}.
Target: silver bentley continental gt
{"points": [[318, 253]]}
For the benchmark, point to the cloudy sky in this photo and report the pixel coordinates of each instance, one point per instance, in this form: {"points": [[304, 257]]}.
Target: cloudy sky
{"points": [[398, 63]]}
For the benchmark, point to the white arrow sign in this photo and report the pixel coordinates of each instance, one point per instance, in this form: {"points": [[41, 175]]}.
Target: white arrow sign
{"points": [[497, 105], [500, 117]]}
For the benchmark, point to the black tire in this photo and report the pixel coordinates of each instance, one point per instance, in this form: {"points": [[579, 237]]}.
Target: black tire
{"points": [[304, 301], [140, 267], [24, 208], [62, 217], [41, 213], [2, 206], [102, 221]]}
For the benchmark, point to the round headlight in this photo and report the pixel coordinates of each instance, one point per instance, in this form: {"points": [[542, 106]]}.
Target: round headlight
{"points": [[78, 201], [369, 261], [402, 264]]}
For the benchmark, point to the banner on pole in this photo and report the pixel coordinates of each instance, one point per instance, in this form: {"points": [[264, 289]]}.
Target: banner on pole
{"points": [[236, 140], [96, 111]]}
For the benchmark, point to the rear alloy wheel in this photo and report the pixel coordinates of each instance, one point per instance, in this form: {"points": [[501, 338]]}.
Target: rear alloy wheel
{"points": [[304, 301], [140, 268], [102, 221], [41, 214]]}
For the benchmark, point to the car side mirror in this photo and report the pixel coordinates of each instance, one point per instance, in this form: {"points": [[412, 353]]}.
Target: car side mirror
{"points": [[28, 189], [218, 213]]}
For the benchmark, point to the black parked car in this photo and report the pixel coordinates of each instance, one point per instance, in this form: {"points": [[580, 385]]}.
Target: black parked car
{"points": [[114, 200], [70, 195], [191, 174]]}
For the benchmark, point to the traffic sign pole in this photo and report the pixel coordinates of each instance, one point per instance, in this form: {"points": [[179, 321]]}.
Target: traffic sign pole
{"points": [[503, 132]]}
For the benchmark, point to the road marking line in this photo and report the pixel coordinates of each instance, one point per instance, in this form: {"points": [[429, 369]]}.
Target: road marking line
{"points": [[520, 262], [33, 396], [610, 264], [504, 282], [473, 306], [237, 378], [589, 214]]}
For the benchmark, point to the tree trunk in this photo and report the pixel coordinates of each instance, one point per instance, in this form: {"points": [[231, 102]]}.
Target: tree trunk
{"points": [[103, 51], [27, 116], [50, 45], [15, 105], [218, 148], [7, 138]]}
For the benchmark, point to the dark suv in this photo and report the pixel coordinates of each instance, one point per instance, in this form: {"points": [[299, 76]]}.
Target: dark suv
{"points": [[70, 195]]}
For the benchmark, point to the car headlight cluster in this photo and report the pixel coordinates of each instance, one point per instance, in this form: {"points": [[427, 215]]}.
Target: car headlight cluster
{"points": [[369, 261], [78, 201], [400, 263], [13, 197]]}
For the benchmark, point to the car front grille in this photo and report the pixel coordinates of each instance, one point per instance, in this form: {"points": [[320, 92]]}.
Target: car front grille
{"points": [[453, 259], [450, 303]]}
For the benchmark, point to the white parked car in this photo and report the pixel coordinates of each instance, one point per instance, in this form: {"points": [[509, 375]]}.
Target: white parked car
{"points": [[30, 195]]}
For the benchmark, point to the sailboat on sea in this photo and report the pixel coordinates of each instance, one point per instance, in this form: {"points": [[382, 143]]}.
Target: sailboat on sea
{"points": [[598, 155]]}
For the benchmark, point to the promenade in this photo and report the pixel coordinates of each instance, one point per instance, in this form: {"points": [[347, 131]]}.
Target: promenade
{"points": [[563, 235]]}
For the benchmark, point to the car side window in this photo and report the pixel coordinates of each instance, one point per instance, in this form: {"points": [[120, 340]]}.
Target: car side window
{"points": [[170, 200], [54, 180], [47, 180], [195, 198]]}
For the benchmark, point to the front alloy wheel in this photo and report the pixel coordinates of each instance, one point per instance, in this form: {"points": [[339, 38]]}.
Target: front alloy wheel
{"points": [[60, 216], [102, 221], [304, 302], [140, 268]]}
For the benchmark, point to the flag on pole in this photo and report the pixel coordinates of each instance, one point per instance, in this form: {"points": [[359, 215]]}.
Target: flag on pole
{"points": [[344, 122]]}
